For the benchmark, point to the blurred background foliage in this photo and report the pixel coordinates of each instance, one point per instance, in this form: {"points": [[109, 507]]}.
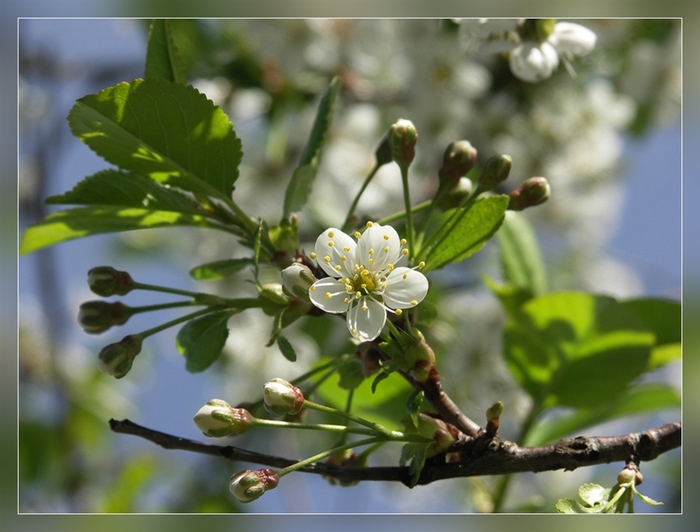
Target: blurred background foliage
{"points": [[267, 75]]}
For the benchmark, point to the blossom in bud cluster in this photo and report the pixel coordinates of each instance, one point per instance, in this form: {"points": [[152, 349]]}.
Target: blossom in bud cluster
{"points": [[496, 170], [96, 317], [458, 160], [105, 281], [117, 359], [297, 279], [402, 140], [217, 419], [282, 397], [532, 192], [249, 485]]}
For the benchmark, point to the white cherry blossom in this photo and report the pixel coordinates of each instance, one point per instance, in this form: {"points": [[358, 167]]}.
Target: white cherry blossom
{"points": [[366, 278]]}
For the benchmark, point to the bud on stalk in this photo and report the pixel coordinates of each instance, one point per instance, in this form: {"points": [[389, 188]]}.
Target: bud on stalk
{"points": [[534, 191], [105, 281]]}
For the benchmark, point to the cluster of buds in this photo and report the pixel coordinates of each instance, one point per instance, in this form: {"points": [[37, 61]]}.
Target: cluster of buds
{"points": [[96, 317], [442, 434], [533, 191], [282, 397], [402, 141], [217, 419], [249, 485], [117, 359], [105, 281]]}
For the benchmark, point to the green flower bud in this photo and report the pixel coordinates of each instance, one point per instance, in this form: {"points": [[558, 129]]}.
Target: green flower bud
{"points": [[441, 433], [282, 397], [297, 279], [117, 359], [402, 140], [496, 170], [456, 196], [96, 317], [532, 192], [458, 160], [249, 485], [105, 281], [217, 419], [275, 293]]}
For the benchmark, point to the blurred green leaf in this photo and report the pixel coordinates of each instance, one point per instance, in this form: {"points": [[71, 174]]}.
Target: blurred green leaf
{"points": [[201, 340], [520, 254], [77, 223], [638, 400], [286, 348], [163, 60], [166, 131], [350, 374], [470, 234], [663, 316], [303, 177], [576, 349], [220, 269], [129, 484]]}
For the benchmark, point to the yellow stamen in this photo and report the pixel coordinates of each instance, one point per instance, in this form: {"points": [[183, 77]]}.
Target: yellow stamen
{"points": [[369, 224], [399, 312], [328, 295], [358, 234], [414, 302], [403, 241], [326, 258], [386, 237], [313, 255], [330, 244], [330, 234]]}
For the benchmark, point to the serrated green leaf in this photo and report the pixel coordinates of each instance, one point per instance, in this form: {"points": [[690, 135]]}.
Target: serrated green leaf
{"points": [[520, 255], [81, 222], [163, 60], [638, 400], [303, 177], [166, 131], [470, 234], [124, 189], [576, 349], [593, 494], [286, 348], [201, 340], [220, 269]]}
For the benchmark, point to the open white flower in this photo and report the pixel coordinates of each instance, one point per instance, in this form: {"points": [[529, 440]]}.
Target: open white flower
{"points": [[365, 279]]}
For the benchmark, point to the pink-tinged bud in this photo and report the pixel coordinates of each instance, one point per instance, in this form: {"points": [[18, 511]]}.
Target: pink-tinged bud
{"points": [[105, 281], [402, 140], [249, 485], [217, 419], [282, 397], [96, 317], [297, 279], [458, 160], [496, 170], [117, 359], [532, 192], [443, 435]]}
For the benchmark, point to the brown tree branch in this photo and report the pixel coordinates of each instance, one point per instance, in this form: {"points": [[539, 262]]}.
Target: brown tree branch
{"points": [[480, 456]]}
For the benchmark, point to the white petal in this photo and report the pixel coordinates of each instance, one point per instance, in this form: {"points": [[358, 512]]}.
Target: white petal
{"points": [[336, 249], [572, 38], [405, 288], [531, 63], [329, 295], [378, 247], [366, 318]]}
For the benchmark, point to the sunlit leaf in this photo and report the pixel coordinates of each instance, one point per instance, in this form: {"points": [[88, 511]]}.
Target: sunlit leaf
{"points": [[81, 222], [163, 59], [201, 340], [576, 349], [470, 234], [303, 177], [166, 131]]}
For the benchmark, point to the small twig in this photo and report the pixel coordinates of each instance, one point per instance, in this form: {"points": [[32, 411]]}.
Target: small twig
{"points": [[480, 456]]}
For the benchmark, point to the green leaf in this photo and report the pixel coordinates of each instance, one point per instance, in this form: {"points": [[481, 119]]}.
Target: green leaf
{"points": [[520, 255], [286, 348], [163, 58], [81, 222], [303, 177], [662, 316], [593, 494], [166, 131], [638, 400], [201, 340], [576, 349], [648, 500], [350, 374], [510, 296], [567, 506], [124, 189], [220, 269], [470, 234]]}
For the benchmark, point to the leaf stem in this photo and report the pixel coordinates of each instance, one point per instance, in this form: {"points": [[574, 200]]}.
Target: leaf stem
{"points": [[348, 219], [409, 214]]}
